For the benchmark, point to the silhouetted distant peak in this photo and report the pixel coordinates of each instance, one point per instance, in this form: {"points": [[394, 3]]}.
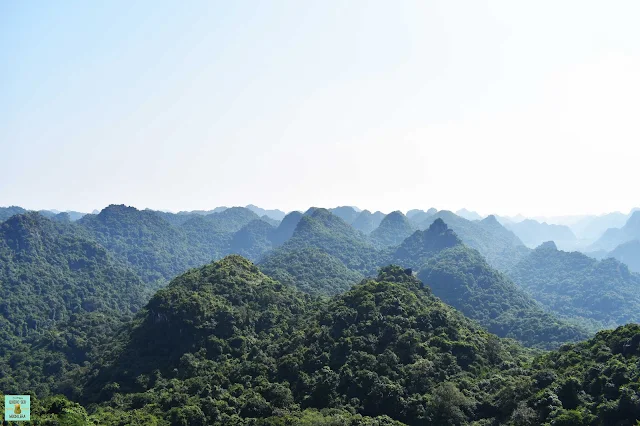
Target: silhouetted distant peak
{"points": [[633, 223], [491, 220], [468, 214], [438, 226], [396, 216], [548, 245]]}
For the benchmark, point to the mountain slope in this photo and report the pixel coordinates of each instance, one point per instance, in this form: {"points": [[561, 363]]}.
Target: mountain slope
{"points": [[157, 250], [613, 237], [61, 295], [285, 229], [223, 343], [423, 245], [573, 285], [253, 240], [533, 233], [346, 213], [417, 217], [393, 229], [7, 212], [499, 246], [366, 221], [596, 382], [462, 278], [274, 214], [49, 271], [320, 229], [310, 270], [629, 254]]}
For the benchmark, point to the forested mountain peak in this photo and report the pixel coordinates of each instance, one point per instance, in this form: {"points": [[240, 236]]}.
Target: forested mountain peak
{"points": [[491, 220], [253, 240], [7, 212], [273, 214], [157, 249], [26, 233], [285, 229], [393, 229], [547, 245], [366, 221], [49, 271], [232, 219], [498, 245], [251, 348], [346, 213], [219, 309], [422, 245], [461, 277]]}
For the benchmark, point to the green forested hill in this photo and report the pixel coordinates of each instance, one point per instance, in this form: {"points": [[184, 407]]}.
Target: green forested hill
{"points": [[596, 293], [499, 246], [463, 279], [224, 344], [320, 229], [285, 229], [157, 250], [252, 240], [596, 382], [423, 245], [48, 271], [366, 221], [310, 270], [393, 229], [7, 212], [54, 284], [346, 213], [629, 254], [160, 249]]}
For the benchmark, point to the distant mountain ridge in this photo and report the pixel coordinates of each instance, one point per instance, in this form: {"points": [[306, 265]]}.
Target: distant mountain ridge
{"points": [[613, 237], [596, 293]]}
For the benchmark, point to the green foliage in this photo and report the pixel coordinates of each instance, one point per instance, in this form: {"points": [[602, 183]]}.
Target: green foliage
{"points": [[150, 244], [393, 229], [7, 212], [463, 279], [49, 272], [162, 245], [499, 246], [310, 270], [596, 382], [224, 344], [320, 229], [593, 293], [253, 240]]}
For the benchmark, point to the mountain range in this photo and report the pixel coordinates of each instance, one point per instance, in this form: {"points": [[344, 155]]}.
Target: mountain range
{"points": [[147, 317]]}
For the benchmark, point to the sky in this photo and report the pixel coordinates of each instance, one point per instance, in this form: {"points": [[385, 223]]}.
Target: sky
{"points": [[497, 106]]}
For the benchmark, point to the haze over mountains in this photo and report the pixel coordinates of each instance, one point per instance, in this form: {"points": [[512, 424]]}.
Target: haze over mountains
{"points": [[253, 316]]}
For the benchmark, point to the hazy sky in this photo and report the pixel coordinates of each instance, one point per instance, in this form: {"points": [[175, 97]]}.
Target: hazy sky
{"points": [[501, 106]]}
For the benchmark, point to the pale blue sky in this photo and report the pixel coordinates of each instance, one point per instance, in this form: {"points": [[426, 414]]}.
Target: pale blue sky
{"points": [[501, 106]]}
